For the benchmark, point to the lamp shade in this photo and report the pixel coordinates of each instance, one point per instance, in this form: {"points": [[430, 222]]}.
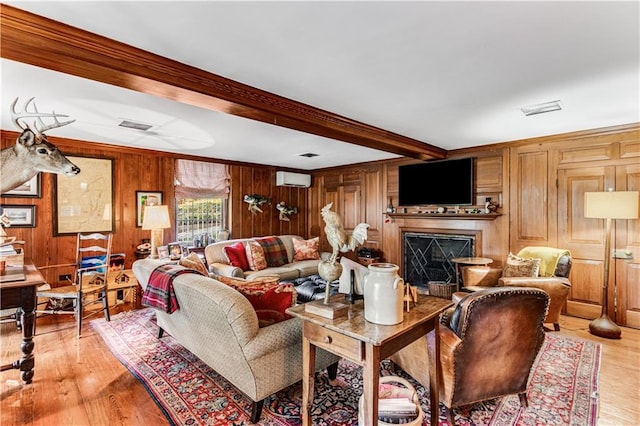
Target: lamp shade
{"points": [[611, 205], [156, 217]]}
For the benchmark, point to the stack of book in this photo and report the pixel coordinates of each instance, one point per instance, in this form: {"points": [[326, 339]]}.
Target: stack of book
{"points": [[397, 410], [12, 255]]}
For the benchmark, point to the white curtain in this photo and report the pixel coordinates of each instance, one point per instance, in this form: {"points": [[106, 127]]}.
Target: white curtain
{"points": [[199, 179]]}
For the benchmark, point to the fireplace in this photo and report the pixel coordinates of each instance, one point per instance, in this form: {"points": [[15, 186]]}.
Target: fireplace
{"points": [[427, 256]]}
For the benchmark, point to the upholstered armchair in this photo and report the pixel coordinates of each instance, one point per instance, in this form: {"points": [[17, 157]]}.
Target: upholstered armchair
{"points": [[553, 277], [488, 343]]}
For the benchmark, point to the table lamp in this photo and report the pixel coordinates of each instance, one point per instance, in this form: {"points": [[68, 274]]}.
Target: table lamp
{"points": [[156, 219], [609, 205]]}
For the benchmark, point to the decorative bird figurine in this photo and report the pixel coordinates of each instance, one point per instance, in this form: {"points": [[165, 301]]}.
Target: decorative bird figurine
{"points": [[337, 237], [255, 201], [285, 210]]}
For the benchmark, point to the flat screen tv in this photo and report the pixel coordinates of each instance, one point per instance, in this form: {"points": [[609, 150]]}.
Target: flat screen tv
{"points": [[441, 183]]}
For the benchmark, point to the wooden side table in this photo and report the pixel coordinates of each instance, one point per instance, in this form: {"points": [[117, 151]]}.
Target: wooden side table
{"points": [[19, 291], [366, 344], [463, 261]]}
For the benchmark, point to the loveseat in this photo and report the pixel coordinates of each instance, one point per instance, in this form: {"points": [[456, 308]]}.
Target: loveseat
{"points": [[219, 325], [219, 263]]}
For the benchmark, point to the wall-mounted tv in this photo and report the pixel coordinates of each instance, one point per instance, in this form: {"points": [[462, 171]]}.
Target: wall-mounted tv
{"points": [[441, 183]]}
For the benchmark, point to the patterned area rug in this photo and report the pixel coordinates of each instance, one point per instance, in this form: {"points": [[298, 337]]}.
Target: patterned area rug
{"points": [[563, 388]]}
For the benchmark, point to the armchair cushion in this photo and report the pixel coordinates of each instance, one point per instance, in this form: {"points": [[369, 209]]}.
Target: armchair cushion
{"points": [[517, 266]]}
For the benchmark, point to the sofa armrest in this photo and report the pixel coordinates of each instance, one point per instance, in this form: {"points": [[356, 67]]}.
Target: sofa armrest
{"points": [[226, 270], [273, 338]]}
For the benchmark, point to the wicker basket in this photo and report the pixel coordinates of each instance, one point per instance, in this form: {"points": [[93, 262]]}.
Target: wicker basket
{"points": [[441, 289]]}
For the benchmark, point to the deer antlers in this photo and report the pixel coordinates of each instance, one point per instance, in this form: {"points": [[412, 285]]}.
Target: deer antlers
{"points": [[38, 125]]}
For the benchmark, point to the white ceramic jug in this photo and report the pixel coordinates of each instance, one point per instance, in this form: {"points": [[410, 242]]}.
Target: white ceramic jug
{"points": [[383, 294]]}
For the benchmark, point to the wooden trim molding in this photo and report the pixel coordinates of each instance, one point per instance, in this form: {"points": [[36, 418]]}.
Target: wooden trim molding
{"points": [[39, 41]]}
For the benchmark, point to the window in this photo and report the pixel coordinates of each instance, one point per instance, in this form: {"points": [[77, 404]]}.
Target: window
{"points": [[202, 190], [199, 219]]}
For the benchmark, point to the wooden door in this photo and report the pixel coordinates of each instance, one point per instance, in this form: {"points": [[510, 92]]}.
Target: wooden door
{"points": [[584, 237], [627, 267]]}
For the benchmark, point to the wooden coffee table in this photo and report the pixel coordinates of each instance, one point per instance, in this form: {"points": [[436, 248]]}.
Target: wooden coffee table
{"points": [[366, 344]]}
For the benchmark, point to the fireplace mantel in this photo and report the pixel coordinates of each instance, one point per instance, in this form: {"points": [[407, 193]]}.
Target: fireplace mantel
{"points": [[464, 216]]}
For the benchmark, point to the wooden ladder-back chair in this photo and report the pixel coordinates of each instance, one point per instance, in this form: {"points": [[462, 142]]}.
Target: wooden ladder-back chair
{"points": [[89, 286]]}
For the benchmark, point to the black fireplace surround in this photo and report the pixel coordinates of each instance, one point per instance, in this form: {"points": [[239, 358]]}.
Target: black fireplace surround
{"points": [[427, 256]]}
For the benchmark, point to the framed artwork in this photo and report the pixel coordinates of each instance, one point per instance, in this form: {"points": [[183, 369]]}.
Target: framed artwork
{"points": [[163, 252], [29, 189], [83, 203], [175, 251], [144, 199], [20, 216]]}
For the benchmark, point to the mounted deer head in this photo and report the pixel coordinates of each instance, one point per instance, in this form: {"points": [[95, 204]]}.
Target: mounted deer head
{"points": [[32, 153]]}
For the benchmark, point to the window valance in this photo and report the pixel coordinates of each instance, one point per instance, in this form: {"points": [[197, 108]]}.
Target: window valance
{"points": [[200, 179]]}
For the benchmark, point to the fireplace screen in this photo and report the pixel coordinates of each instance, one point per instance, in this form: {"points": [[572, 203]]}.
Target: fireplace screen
{"points": [[427, 257]]}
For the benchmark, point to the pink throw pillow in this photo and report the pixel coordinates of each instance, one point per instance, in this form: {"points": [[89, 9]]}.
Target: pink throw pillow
{"points": [[255, 256], [306, 249], [237, 255]]}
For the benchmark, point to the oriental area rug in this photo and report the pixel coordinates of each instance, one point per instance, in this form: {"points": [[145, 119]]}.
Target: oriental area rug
{"points": [[563, 388]]}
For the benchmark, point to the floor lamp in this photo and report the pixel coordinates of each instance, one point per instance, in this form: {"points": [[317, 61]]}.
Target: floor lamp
{"points": [[156, 219], [609, 205]]}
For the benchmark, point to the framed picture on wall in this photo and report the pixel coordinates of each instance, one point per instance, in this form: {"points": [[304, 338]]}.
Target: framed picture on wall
{"points": [[144, 199], [20, 216], [29, 189], [84, 203]]}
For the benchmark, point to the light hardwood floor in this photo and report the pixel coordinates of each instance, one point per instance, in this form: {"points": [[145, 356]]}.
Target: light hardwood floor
{"points": [[79, 382]]}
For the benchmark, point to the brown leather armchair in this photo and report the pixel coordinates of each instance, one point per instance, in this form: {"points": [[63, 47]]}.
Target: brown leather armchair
{"points": [[488, 343], [480, 277]]}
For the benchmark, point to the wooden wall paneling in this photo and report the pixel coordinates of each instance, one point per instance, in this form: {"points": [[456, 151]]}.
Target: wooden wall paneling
{"points": [[627, 238], [532, 197], [373, 205]]}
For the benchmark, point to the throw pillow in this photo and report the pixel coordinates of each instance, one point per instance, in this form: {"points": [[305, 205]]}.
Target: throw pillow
{"points": [[193, 262], [274, 251], [521, 267], [237, 256], [270, 300], [306, 249], [255, 256]]}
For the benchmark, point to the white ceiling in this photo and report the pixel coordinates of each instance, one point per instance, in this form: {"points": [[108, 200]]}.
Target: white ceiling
{"points": [[451, 74]]}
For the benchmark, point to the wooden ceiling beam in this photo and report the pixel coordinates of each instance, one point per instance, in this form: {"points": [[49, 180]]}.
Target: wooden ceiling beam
{"points": [[42, 42]]}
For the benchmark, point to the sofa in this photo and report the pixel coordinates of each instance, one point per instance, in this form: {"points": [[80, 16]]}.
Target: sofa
{"points": [[219, 325], [219, 263]]}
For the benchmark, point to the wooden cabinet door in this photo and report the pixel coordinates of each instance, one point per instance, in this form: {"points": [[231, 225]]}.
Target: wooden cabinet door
{"points": [[584, 237]]}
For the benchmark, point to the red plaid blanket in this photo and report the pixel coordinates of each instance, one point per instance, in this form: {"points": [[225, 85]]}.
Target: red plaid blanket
{"points": [[159, 293]]}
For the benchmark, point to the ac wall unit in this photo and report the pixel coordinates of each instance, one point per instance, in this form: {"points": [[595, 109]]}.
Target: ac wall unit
{"points": [[293, 179]]}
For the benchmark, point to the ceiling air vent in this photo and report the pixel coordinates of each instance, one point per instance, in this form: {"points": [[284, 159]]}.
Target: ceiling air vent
{"points": [[541, 108], [129, 124]]}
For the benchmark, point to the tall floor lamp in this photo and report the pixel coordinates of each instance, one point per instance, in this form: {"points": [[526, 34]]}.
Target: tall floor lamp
{"points": [[609, 205], [156, 219]]}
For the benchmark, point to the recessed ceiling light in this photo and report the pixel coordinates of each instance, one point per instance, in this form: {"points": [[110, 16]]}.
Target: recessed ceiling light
{"points": [[541, 108], [130, 124], [309, 155]]}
